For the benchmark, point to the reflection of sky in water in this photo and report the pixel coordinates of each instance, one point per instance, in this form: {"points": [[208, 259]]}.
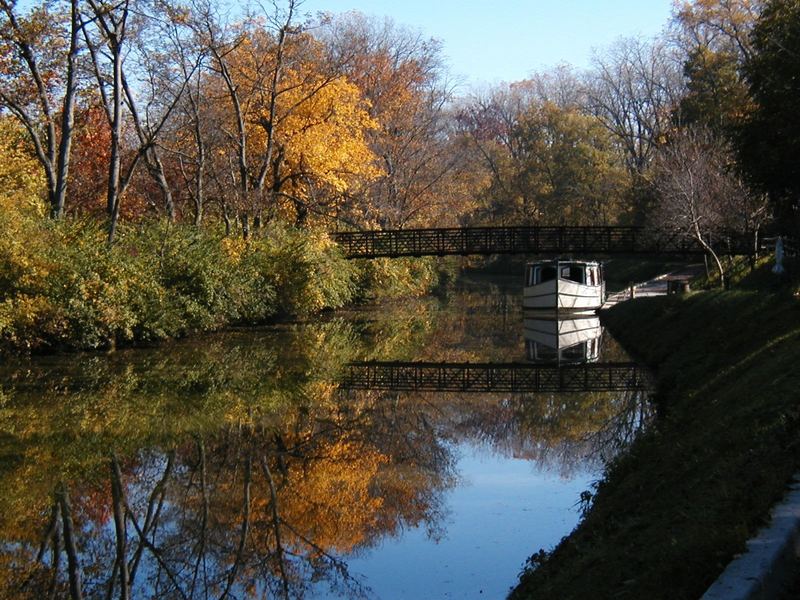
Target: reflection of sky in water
{"points": [[502, 510]]}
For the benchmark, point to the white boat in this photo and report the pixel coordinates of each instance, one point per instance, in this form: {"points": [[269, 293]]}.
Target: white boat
{"points": [[563, 340], [564, 285]]}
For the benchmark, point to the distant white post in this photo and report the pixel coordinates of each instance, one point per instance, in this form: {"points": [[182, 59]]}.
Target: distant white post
{"points": [[778, 268]]}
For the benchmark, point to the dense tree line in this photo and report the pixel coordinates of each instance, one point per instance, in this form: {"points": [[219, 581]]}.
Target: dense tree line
{"points": [[605, 159], [181, 110]]}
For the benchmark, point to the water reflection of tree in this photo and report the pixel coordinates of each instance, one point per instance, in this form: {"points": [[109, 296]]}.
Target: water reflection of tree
{"points": [[249, 510], [561, 432], [232, 466]]}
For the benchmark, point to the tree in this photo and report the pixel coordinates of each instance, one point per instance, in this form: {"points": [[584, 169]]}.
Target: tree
{"points": [[715, 37], [191, 131], [573, 170], [716, 94], [719, 25], [492, 122], [633, 89], [21, 180], [39, 84], [548, 163], [425, 176], [770, 142], [699, 193], [110, 37], [294, 125], [90, 155]]}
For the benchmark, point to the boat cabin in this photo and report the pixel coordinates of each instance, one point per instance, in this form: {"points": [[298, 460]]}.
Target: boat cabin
{"points": [[582, 352], [564, 285], [562, 340], [585, 273]]}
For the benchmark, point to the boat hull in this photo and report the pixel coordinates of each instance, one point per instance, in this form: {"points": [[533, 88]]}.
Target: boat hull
{"points": [[562, 333], [563, 295], [575, 339]]}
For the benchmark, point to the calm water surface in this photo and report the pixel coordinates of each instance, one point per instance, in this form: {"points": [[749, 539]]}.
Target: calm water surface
{"points": [[237, 466]]}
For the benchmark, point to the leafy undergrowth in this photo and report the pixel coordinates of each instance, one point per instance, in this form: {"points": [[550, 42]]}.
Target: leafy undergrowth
{"points": [[671, 514], [63, 287]]}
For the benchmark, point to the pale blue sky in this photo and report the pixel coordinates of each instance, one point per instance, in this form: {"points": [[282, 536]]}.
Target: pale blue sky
{"points": [[505, 40]]}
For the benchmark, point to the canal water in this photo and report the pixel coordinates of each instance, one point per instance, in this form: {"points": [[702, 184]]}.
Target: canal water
{"points": [[237, 465]]}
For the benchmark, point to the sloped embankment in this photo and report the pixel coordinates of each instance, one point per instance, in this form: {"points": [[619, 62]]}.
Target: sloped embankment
{"points": [[672, 512]]}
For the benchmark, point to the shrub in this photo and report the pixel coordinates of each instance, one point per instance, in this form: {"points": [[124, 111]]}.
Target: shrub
{"points": [[61, 285], [307, 270], [395, 277]]}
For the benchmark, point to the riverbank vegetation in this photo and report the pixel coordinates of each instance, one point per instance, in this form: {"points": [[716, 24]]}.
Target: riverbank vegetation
{"points": [[165, 169], [64, 288], [673, 511]]}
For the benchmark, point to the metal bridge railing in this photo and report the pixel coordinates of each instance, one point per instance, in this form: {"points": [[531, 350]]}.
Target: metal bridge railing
{"points": [[527, 240], [495, 377]]}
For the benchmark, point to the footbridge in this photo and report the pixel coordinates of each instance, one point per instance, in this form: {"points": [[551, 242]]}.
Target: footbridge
{"points": [[541, 240], [495, 377]]}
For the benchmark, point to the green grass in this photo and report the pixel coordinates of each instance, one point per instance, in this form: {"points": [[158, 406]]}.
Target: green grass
{"points": [[671, 513], [741, 273]]}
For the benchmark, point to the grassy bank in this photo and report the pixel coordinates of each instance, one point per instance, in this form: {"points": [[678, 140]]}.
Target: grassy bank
{"points": [[671, 513], [63, 287]]}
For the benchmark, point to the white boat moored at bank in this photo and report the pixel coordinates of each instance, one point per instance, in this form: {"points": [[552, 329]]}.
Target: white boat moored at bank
{"points": [[564, 285]]}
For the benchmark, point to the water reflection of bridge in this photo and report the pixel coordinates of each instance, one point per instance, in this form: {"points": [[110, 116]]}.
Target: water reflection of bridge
{"points": [[496, 377], [536, 239]]}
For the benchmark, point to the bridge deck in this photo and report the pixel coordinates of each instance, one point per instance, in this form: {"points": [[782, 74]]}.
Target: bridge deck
{"points": [[495, 377], [556, 240]]}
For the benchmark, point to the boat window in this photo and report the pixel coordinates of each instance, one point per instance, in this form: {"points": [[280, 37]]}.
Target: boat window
{"points": [[545, 274], [576, 352], [540, 352], [591, 276], [539, 274], [529, 276], [594, 349], [572, 273]]}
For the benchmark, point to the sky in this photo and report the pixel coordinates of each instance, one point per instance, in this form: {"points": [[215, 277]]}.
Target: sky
{"points": [[488, 41]]}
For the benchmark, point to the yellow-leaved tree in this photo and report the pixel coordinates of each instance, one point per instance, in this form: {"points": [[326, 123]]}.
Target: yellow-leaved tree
{"points": [[23, 235], [291, 136], [21, 177], [321, 145]]}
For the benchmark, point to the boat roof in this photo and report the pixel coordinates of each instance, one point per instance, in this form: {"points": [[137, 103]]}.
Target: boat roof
{"points": [[564, 261]]}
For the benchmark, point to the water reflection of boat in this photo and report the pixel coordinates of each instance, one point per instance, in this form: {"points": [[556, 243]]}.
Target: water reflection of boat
{"points": [[550, 339], [564, 285]]}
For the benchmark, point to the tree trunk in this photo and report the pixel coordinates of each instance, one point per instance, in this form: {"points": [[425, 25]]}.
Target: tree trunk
{"points": [[114, 168], [73, 565], [67, 118], [118, 499], [156, 168]]}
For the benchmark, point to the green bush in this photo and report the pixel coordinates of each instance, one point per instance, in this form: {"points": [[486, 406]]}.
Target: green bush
{"points": [[307, 270], [62, 286], [395, 277]]}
